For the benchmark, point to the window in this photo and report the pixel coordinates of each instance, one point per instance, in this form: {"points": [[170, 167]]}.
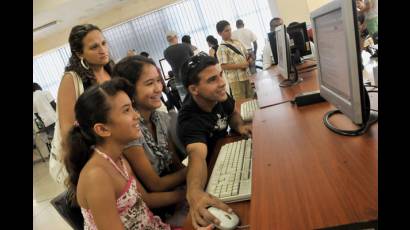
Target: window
{"points": [[147, 33]]}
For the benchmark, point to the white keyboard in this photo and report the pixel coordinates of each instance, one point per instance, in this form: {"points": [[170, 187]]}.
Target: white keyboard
{"points": [[231, 178], [248, 108]]}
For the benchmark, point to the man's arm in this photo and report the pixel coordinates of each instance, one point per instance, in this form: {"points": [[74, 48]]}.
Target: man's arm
{"points": [[239, 125], [235, 66], [255, 47], [199, 200]]}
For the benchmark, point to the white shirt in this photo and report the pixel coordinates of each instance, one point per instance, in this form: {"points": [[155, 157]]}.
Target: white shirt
{"points": [[42, 106], [245, 36], [267, 56]]}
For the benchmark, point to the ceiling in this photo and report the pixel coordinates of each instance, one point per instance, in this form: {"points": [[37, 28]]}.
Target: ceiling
{"points": [[67, 13]]}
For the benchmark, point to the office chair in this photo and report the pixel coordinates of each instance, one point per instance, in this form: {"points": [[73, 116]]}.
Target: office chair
{"points": [[172, 132], [38, 129], [72, 215]]}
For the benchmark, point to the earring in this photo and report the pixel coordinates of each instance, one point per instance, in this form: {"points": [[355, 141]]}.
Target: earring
{"points": [[83, 64]]}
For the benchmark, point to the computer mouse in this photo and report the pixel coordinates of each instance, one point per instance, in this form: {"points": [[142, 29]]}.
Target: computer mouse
{"points": [[228, 221]]}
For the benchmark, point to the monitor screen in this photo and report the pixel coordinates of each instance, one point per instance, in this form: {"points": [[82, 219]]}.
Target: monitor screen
{"points": [[338, 53], [298, 34], [282, 47], [165, 68]]}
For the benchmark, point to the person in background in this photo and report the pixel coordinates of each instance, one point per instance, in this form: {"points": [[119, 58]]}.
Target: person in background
{"points": [[145, 54], [187, 40], [176, 54], [44, 108], [131, 52], [234, 61], [101, 180], [267, 56], [370, 10], [88, 65], [248, 38], [203, 119], [213, 45]]}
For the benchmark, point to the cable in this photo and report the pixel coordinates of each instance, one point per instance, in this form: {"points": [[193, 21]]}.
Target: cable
{"points": [[308, 70], [291, 101], [244, 226], [362, 129]]}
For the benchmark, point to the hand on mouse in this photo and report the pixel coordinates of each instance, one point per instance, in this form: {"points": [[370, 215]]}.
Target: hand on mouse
{"points": [[199, 201], [245, 130]]}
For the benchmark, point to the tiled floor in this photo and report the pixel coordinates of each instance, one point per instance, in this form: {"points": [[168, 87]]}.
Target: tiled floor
{"points": [[45, 217]]}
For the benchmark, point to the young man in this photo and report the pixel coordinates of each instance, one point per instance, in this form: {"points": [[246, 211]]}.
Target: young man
{"points": [[247, 38], [203, 119], [234, 61]]}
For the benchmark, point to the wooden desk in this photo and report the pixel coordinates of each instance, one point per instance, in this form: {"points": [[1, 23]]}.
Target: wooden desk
{"points": [[270, 93], [306, 177], [303, 175]]}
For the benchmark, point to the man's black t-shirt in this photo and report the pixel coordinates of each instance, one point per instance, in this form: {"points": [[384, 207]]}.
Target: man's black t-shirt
{"points": [[196, 125]]}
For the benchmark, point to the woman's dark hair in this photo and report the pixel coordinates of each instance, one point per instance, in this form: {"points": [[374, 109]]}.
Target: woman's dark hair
{"points": [[212, 40], [186, 39], [36, 87], [91, 107], [145, 54], [131, 68], [214, 43], [75, 40]]}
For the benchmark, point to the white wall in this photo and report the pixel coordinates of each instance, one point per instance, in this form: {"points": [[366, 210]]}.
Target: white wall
{"points": [[105, 20], [294, 10]]}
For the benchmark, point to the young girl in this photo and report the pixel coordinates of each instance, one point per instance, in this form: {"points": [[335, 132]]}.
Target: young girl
{"points": [[152, 157], [100, 179]]}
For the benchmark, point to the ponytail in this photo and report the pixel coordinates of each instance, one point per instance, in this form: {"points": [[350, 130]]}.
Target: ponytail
{"points": [[80, 150]]}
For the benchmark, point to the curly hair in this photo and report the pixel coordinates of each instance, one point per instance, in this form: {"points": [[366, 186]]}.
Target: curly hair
{"points": [[75, 40]]}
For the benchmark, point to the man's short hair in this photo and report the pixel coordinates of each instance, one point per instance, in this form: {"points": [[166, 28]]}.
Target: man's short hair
{"points": [[193, 66], [239, 23], [274, 23], [220, 26], [170, 34]]}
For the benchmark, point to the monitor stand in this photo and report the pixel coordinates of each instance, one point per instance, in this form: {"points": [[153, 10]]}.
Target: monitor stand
{"points": [[294, 78], [370, 117]]}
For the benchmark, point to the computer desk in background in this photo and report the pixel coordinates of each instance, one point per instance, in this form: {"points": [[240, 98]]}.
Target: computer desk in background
{"points": [[303, 175], [270, 93]]}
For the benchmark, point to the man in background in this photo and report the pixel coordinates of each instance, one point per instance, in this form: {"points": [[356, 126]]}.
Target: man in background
{"points": [[247, 37], [267, 56], [176, 54], [44, 108]]}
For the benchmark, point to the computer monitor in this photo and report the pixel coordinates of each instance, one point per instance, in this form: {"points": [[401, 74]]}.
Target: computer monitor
{"points": [[272, 42], [336, 35], [165, 68], [298, 34], [284, 58]]}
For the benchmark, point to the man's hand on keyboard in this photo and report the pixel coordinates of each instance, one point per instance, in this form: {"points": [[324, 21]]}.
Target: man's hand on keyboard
{"points": [[199, 201], [245, 130]]}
